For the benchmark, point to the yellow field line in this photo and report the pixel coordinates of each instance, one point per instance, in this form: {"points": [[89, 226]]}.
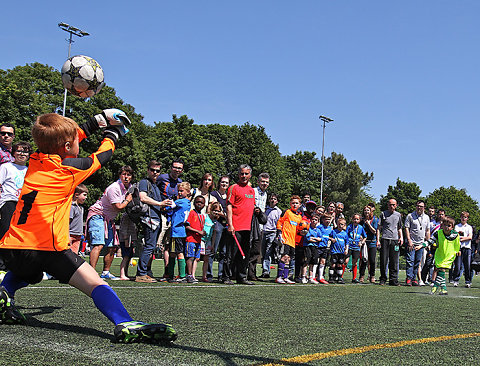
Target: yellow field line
{"points": [[350, 351]]}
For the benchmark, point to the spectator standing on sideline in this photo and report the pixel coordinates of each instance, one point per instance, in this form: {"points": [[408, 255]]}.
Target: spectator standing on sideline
{"points": [[76, 217], [261, 203], [151, 223], [100, 218], [240, 206], [370, 224], [12, 175], [390, 231], [220, 237], [466, 234], [168, 183], [273, 213], [417, 231], [206, 187], [7, 134]]}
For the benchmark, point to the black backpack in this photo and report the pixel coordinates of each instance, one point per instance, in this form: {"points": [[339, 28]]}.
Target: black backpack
{"points": [[136, 209]]}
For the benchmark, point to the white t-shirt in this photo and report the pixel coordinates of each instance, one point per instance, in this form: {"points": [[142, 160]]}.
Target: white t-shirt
{"points": [[467, 231], [11, 181]]}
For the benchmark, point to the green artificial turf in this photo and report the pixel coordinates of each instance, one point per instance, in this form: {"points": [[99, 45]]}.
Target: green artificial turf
{"points": [[245, 325]]}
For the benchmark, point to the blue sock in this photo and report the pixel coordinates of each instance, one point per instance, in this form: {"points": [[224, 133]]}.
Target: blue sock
{"points": [[107, 301], [281, 267], [12, 283]]}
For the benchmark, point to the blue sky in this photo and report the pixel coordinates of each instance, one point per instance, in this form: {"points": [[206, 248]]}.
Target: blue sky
{"points": [[400, 79]]}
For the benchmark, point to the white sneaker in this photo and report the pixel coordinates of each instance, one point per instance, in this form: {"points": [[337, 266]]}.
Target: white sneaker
{"points": [[304, 280], [455, 284], [313, 281], [289, 281], [468, 285], [432, 284], [280, 280], [421, 283], [109, 276]]}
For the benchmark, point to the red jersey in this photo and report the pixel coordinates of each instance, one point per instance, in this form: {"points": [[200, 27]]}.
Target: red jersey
{"points": [[242, 199], [41, 218], [195, 220]]}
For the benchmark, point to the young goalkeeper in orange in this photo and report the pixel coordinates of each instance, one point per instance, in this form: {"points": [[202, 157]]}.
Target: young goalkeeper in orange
{"points": [[38, 238]]}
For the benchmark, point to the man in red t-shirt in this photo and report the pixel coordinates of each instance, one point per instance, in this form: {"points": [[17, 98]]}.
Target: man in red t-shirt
{"points": [[240, 206]]}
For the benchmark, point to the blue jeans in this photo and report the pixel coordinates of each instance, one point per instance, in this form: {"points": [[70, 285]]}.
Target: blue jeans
{"points": [[413, 258], [267, 250], [219, 244], [150, 237]]}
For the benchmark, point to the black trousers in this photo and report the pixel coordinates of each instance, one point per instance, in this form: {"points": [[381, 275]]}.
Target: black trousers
{"points": [[372, 254], [389, 251], [255, 254], [235, 267]]}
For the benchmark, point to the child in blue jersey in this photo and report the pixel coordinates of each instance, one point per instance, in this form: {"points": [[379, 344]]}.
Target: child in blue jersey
{"points": [[323, 246], [310, 249], [178, 214], [213, 213], [356, 238], [338, 250]]}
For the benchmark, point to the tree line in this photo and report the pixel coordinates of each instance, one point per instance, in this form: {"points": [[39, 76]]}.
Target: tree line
{"points": [[33, 89]]}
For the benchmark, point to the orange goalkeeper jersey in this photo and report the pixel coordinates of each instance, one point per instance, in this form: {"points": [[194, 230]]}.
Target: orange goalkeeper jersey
{"points": [[288, 223], [41, 218]]}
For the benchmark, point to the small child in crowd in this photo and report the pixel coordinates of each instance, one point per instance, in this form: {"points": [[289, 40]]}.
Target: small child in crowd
{"points": [[338, 251], [194, 226], [76, 217], [356, 238], [178, 214], [324, 245], [312, 239], [213, 213], [287, 229]]}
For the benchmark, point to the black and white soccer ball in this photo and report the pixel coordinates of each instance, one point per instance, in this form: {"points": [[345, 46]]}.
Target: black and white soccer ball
{"points": [[82, 76]]}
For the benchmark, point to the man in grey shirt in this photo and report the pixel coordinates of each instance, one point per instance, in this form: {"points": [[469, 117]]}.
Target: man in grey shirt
{"points": [[417, 231], [390, 228]]}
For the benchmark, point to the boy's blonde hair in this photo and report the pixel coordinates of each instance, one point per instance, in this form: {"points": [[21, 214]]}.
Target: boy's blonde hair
{"points": [[185, 185], [81, 188], [51, 131]]}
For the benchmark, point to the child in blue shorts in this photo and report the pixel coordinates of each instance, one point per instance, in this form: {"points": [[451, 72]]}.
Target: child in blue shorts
{"points": [[356, 238], [323, 246], [178, 214], [194, 226]]}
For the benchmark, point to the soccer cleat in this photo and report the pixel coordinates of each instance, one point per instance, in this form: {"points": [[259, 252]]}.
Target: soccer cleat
{"points": [[355, 281], [468, 285], [280, 280], [9, 314], [341, 281], [443, 292], [414, 283], [434, 290], [408, 282], [323, 281], [289, 281], [455, 284], [304, 280], [421, 283], [313, 281], [129, 332]]}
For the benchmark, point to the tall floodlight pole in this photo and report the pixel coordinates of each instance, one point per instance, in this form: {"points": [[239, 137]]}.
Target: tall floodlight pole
{"points": [[73, 31], [325, 120]]}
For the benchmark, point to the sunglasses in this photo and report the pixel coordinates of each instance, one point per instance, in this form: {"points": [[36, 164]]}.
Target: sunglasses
{"points": [[155, 170], [4, 133], [23, 152]]}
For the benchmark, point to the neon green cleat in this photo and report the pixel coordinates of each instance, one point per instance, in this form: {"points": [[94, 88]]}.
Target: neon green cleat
{"points": [[9, 314], [129, 332]]}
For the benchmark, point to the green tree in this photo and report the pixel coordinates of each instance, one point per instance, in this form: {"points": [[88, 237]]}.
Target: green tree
{"points": [[454, 201], [406, 193]]}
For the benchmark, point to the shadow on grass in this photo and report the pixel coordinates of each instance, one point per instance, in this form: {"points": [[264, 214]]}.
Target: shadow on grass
{"points": [[229, 357], [33, 322]]}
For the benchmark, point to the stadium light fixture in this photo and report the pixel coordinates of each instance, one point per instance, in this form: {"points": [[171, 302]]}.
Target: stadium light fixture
{"points": [[73, 31], [325, 120]]}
